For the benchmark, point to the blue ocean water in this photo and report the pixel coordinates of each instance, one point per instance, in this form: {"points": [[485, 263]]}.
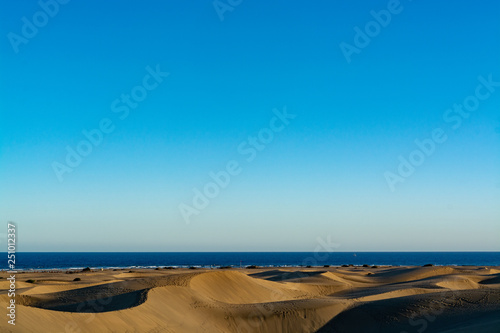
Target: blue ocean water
{"points": [[59, 260]]}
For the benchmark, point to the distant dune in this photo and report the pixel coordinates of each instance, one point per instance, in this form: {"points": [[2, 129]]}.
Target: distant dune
{"points": [[333, 299]]}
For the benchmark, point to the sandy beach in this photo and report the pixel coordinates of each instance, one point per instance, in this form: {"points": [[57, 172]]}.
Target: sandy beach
{"points": [[318, 299]]}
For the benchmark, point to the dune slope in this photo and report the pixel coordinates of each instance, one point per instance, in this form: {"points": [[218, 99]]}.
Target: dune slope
{"points": [[399, 299]]}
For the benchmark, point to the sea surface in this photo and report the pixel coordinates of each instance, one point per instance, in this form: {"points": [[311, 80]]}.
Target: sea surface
{"points": [[77, 260]]}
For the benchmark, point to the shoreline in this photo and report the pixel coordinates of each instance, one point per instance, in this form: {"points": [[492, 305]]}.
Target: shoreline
{"points": [[222, 267]]}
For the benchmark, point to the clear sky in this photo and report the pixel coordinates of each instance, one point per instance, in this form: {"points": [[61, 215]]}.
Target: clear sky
{"points": [[360, 101]]}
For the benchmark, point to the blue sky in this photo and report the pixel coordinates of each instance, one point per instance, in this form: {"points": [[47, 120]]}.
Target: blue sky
{"points": [[323, 175]]}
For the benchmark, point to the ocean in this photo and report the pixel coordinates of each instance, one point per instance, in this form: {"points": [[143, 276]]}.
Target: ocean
{"points": [[77, 260]]}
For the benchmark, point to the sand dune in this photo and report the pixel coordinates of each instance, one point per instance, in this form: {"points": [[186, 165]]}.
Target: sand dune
{"points": [[432, 312], [354, 299]]}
